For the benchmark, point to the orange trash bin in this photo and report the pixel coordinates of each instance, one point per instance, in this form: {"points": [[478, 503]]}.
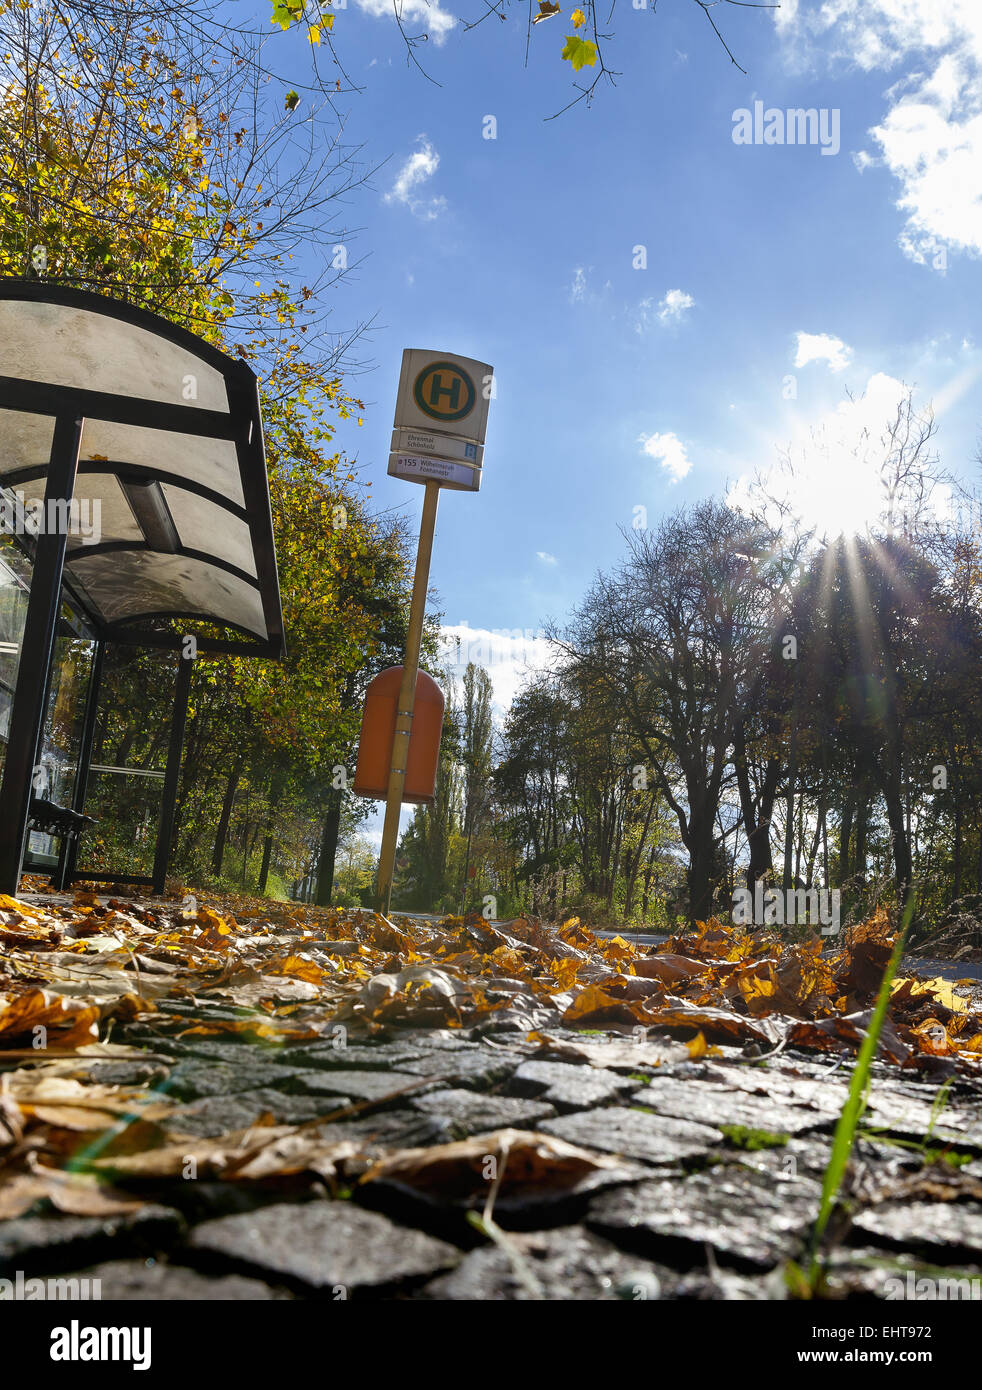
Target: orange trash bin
{"points": [[378, 727]]}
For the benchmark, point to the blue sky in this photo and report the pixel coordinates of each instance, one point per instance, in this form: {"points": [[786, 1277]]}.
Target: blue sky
{"points": [[620, 387]]}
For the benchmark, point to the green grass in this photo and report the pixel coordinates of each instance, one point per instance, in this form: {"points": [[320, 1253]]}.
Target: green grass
{"points": [[930, 1153], [752, 1140], [852, 1111]]}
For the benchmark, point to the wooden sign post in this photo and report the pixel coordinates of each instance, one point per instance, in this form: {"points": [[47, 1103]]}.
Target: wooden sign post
{"points": [[437, 440]]}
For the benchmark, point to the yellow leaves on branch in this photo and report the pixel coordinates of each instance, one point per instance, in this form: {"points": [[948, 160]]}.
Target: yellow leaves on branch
{"points": [[577, 52]]}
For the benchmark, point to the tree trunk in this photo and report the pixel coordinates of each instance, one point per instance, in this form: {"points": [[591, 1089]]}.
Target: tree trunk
{"points": [[956, 887], [328, 852], [816, 840], [264, 871], [756, 818], [902, 863], [275, 792], [789, 813], [221, 833], [845, 835], [862, 825], [700, 876]]}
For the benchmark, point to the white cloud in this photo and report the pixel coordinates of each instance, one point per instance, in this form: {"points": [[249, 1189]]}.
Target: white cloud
{"points": [[416, 14], [669, 450], [822, 347], [670, 309], [674, 305], [880, 33], [421, 165], [509, 655], [577, 289], [546, 558], [930, 137], [931, 142], [371, 828]]}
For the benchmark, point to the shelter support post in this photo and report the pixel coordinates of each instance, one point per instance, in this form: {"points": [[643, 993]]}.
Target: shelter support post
{"points": [[165, 830], [34, 666], [407, 698]]}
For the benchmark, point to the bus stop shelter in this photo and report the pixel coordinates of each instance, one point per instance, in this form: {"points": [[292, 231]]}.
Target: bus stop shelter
{"points": [[110, 408]]}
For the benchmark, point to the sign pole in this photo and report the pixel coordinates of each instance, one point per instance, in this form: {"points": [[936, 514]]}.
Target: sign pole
{"points": [[407, 698]]}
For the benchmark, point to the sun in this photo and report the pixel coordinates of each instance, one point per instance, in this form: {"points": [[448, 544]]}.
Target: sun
{"points": [[836, 491]]}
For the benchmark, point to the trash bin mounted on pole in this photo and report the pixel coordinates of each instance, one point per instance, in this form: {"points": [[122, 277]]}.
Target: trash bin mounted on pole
{"points": [[378, 727]]}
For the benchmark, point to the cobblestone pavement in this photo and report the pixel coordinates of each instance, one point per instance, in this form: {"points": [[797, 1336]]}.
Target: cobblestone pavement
{"points": [[509, 1158], [710, 1179]]}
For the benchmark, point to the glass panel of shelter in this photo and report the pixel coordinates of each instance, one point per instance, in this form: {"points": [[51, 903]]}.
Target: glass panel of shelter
{"points": [[57, 768], [15, 586], [129, 760]]}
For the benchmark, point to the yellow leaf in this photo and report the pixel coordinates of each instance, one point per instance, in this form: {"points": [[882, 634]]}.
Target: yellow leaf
{"points": [[937, 991], [578, 18]]}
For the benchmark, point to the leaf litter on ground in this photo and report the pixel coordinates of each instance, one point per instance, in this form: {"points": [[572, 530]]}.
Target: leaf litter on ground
{"points": [[77, 973]]}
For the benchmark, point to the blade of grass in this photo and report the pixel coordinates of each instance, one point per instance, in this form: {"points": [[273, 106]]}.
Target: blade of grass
{"points": [[845, 1130], [486, 1224], [940, 1101]]}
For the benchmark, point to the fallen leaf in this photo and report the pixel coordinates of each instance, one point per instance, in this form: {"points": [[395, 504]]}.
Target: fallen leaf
{"points": [[525, 1161]]}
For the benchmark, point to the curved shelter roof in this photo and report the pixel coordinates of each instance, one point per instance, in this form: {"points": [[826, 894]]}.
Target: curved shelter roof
{"points": [[171, 450]]}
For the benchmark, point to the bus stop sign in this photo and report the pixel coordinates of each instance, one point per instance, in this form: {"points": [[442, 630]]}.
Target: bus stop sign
{"points": [[441, 419]]}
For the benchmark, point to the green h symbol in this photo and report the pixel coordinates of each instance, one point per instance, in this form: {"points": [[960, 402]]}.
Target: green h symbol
{"points": [[437, 389]]}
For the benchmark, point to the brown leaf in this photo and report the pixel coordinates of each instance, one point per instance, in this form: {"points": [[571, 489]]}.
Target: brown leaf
{"points": [[596, 1005], [719, 1025], [75, 1194], [847, 1028], [668, 967], [525, 1160]]}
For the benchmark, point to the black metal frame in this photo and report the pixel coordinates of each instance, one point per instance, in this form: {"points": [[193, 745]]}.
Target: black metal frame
{"points": [[53, 561], [34, 667], [242, 426]]}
